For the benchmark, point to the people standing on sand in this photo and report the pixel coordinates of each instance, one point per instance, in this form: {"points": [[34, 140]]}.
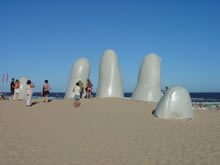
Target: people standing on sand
{"points": [[89, 89], [77, 92], [17, 86], [81, 88], [12, 88], [45, 91], [29, 87]]}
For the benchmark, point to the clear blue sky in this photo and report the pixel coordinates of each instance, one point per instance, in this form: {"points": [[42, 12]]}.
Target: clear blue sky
{"points": [[41, 39]]}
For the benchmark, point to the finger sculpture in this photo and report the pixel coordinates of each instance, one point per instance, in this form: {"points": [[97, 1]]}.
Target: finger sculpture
{"points": [[110, 80], [80, 71], [176, 103], [22, 89], [149, 84]]}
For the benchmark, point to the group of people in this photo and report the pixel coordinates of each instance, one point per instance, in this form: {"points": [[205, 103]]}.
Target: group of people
{"points": [[15, 85], [15, 90], [78, 92]]}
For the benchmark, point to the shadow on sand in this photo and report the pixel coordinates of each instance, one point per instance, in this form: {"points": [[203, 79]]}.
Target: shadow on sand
{"points": [[34, 103]]}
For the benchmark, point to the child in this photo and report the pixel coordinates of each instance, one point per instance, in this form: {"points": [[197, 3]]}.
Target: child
{"points": [[77, 91]]}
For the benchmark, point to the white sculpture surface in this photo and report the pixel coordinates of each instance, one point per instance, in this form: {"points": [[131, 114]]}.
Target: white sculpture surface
{"points": [[22, 89], [80, 71], [148, 86], [176, 103], [110, 80]]}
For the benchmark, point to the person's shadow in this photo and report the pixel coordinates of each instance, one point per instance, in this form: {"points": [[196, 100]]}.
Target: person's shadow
{"points": [[34, 103], [153, 112], [48, 101]]}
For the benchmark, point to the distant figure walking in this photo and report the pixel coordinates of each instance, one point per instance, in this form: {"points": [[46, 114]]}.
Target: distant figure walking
{"points": [[81, 85], [29, 87], [77, 91], [12, 88], [45, 90], [89, 89], [166, 89], [17, 86]]}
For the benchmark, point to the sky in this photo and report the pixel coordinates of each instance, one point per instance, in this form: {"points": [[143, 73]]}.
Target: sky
{"points": [[41, 39]]}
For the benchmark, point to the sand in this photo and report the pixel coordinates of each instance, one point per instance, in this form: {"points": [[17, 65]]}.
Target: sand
{"points": [[104, 132]]}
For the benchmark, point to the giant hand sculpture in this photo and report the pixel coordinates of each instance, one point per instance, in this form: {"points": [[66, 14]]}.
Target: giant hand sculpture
{"points": [[80, 71], [176, 103], [148, 84], [110, 80]]}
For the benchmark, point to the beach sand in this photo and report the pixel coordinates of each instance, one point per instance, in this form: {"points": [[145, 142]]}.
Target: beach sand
{"points": [[104, 132]]}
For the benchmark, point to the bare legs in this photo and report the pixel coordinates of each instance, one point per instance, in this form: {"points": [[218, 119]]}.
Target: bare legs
{"points": [[12, 97], [76, 103], [16, 96], [89, 95], [46, 98]]}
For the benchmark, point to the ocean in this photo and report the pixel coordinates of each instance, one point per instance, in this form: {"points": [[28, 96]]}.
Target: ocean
{"points": [[195, 96]]}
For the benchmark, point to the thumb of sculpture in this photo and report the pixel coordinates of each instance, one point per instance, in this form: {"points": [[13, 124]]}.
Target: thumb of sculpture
{"points": [[176, 103]]}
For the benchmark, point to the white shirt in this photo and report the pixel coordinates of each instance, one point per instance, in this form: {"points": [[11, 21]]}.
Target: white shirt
{"points": [[77, 90]]}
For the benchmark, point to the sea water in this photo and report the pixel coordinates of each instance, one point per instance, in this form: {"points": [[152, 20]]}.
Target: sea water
{"points": [[195, 96]]}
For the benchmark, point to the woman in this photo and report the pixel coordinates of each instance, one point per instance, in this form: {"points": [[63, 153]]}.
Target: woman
{"points": [[45, 91], [76, 91], [29, 87], [89, 89], [17, 86]]}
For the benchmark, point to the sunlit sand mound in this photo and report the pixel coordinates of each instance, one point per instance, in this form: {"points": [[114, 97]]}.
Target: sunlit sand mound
{"points": [[104, 132]]}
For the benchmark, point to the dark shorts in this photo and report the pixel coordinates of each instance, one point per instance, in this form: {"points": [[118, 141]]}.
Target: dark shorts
{"points": [[46, 93], [12, 91]]}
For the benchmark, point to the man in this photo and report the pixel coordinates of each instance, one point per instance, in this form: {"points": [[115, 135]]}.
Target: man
{"points": [[81, 88], [12, 88], [166, 89]]}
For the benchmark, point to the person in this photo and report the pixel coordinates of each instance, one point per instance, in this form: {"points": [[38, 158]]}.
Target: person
{"points": [[29, 87], [89, 89], [2, 97], [76, 91], [81, 88], [12, 88], [45, 91], [166, 89], [17, 86]]}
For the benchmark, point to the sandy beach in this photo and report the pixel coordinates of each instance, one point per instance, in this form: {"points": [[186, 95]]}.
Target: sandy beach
{"points": [[104, 132]]}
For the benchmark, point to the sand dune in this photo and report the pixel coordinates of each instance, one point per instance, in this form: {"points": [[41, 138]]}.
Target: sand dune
{"points": [[104, 132]]}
